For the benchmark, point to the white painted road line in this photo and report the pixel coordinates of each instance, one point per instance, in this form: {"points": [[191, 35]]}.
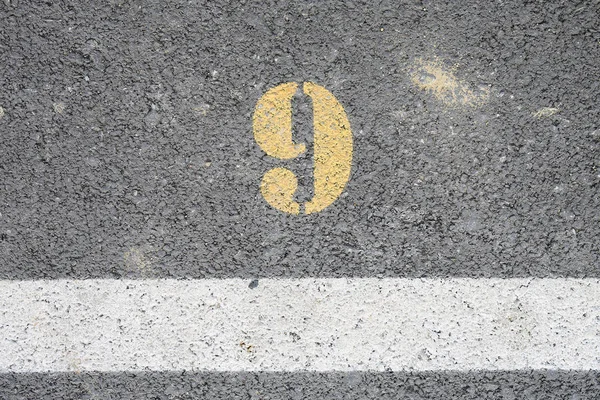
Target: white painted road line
{"points": [[299, 324]]}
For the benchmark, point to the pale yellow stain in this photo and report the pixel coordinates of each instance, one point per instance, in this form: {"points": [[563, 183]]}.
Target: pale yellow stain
{"points": [[545, 112], [59, 108], [1, 112], [442, 83], [272, 124], [136, 260], [74, 361], [203, 109], [75, 364], [39, 319]]}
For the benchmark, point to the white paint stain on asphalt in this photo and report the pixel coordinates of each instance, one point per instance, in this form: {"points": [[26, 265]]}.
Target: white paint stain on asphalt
{"points": [[299, 324], [59, 107]]}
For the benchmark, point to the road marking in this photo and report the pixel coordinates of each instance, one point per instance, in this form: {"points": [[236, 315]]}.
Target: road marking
{"points": [[299, 324], [272, 125]]}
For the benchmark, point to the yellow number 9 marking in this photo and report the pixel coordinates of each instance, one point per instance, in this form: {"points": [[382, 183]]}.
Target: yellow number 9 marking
{"points": [[272, 124]]}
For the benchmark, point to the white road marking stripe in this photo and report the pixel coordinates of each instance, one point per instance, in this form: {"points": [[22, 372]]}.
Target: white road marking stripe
{"points": [[299, 324]]}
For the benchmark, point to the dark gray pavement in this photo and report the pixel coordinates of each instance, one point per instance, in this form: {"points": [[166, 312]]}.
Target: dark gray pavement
{"points": [[126, 150], [500, 385], [127, 129]]}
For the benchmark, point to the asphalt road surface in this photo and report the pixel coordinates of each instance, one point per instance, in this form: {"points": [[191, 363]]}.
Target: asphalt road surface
{"points": [[129, 149]]}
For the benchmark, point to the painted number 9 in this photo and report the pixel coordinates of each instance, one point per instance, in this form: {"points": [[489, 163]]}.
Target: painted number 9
{"points": [[272, 125]]}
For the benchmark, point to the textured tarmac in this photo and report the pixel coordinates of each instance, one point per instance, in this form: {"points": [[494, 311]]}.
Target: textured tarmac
{"points": [[502, 385], [126, 150]]}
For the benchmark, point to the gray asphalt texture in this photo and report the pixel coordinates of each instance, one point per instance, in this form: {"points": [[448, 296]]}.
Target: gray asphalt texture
{"points": [[500, 385], [126, 150], [126, 139]]}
